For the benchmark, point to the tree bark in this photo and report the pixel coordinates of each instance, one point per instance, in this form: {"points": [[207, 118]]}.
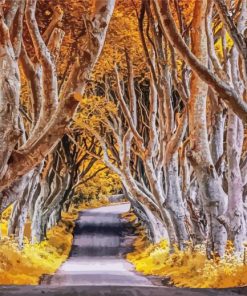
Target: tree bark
{"points": [[20, 162], [213, 197], [227, 93]]}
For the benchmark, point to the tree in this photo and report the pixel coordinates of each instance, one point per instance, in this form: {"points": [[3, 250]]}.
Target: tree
{"points": [[183, 174], [163, 112], [37, 107], [45, 138]]}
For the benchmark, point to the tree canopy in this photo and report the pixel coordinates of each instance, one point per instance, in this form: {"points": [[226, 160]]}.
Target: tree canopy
{"points": [[141, 97]]}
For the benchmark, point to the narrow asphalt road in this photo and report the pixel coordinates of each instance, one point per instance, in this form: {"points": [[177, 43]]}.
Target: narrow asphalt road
{"points": [[96, 254], [96, 266]]}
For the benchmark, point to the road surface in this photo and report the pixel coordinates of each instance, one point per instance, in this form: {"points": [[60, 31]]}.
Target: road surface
{"points": [[96, 266], [96, 256]]}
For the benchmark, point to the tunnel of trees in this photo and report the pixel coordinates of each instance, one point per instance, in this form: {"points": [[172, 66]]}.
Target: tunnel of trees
{"points": [[153, 90]]}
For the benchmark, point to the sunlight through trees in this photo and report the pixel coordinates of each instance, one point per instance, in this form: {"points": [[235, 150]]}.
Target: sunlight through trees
{"points": [[146, 98]]}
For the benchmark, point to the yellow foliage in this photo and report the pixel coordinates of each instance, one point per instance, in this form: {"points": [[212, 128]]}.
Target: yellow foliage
{"points": [[122, 34], [104, 184], [25, 267], [93, 203], [4, 221], [20, 267], [130, 216], [188, 268], [95, 109]]}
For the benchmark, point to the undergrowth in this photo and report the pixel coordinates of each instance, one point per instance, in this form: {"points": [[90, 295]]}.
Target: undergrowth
{"points": [[26, 266], [188, 268]]}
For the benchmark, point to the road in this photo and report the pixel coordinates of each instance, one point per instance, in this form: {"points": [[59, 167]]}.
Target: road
{"points": [[96, 266], [96, 254]]}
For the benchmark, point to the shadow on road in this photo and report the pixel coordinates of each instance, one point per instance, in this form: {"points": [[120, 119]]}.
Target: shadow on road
{"points": [[96, 266]]}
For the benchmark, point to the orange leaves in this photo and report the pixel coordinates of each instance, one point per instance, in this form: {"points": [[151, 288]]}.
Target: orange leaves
{"points": [[95, 110], [122, 34], [187, 9]]}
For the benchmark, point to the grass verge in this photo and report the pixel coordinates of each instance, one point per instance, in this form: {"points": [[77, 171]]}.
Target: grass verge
{"points": [[26, 266], [188, 268]]}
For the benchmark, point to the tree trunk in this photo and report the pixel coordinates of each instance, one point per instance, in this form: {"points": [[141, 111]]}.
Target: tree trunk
{"points": [[155, 228], [235, 185], [37, 232], [174, 202], [213, 197], [9, 97]]}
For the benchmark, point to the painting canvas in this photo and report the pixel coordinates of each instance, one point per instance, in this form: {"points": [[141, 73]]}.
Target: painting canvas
{"points": [[123, 147]]}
